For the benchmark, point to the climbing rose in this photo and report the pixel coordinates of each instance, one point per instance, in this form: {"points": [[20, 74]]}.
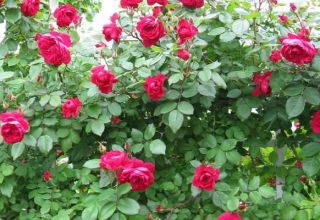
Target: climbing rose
{"points": [[65, 15], [156, 11], [183, 54], [30, 8], [275, 56], [151, 30], [113, 160], [115, 120], [111, 31], [185, 30], [103, 79], [54, 47], [205, 177], [297, 49], [13, 127], [71, 108], [138, 173], [262, 84], [315, 122], [193, 3], [130, 3], [47, 176], [283, 19], [293, 7], [154, 86], [160, 2], [229, 216]]}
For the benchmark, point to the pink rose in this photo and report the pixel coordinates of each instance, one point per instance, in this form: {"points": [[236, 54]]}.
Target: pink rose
{"points": [[30, 8], [47, 176], [151, 30], [205, 177], [65, 15], [283, 19], [54, 47], [293, 7], [185, 30], [183, 54], [229, 216], [71, 108], [103, 79], [262, 84], [113, 160], [275, 56]]}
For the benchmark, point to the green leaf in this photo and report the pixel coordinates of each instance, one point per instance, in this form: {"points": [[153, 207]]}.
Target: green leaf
{"points": [[30, 140], [44, 100], [311, 149], [218, 80], [312, 95], [123, 189], [311, 166], [243, 110], [316, 63], [114, 109], [45, 144], [55, 101], [97, 127], [233, 203], [175, 120], [185, 108], [254, 183], [107, 210], [13, 15], [6, 189], [234, 93], [288, 212], [227, 36], [205, 75], [217, 31], [228, 144], [94, 110], [301, 215], [255, 197], [6, 169], [137, 135], [167, 107], [295, 106], [207, 89], [267, 191], [128, 206], [149, 132], [6, 75], [90, 213], [127, 65], [17, 149], [158, 147], [240, 26], [92, 164]]}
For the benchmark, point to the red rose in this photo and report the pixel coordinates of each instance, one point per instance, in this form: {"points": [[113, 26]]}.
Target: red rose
{"points": [[1, 2], [262, 84], [156, 11], [283, 19], [30, 8], [293, 7], [205, 177], [151, 30], [274, 2], [243, 205], [112, 32], [13, 127], [154, 86], [159, 208], [183, 54], [185, 30], [298, 164], [65, 15], [160, 2], [103, 79], [298, 49], [272, 181], [193, 3], [115, 120], [304, 32], [113, 160], [100, 45], [54, 47], [138, 173], [71, 108], [47, 176], [58, 151], [229, 216], [275, 56], [130, 3], [315, 122]]}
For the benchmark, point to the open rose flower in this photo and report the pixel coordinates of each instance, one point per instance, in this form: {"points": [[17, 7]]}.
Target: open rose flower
{"points": [[297, 49], [47, 176], [193, 3], [275, 56], [103, 79], [205, 177], [54, 47], [138, 173], [13, 127], [113, 160], [112, 31], [71, 108], [154, 86], [183, 54], [30, 8], [66, 15], [262, 84], [160, 2], [229, 216], [185, 30], [315, 122], [130, 3], [151, 30]]}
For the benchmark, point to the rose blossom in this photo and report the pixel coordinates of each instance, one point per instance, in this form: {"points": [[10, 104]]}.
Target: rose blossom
{"points": [[111, 31], [1, 2], [185, 30], [138, 173], [30, 8], [71, 108], [193, 3], [130, 3], [160, 2], [315, 122], [304, 32], [205, 177], [54, 47], [103, 79], [262, 84], [47, 176], [156, 11], [298, 164], [272, 181], [113, 160], [275, 56], [115, 120], [274, 2], [65, 15], [283, 19], [151, 30], [154, 86], [229, 216], [183, 54], [13, 127], [293, 7], [297, 49]]}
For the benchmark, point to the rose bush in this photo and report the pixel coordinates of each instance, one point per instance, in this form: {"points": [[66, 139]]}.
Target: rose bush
{"points": [[184, 109]]}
